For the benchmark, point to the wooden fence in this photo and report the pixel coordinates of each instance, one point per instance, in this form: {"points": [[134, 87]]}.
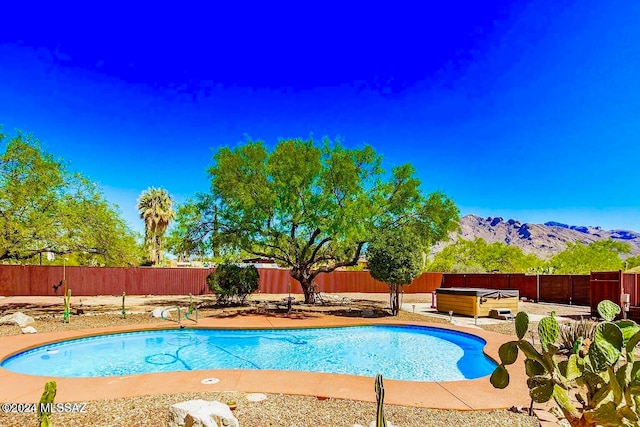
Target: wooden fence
{"points": [[610, 285], [89, 281], [565, 288], [33, 280], [526, 285], [561, 289]]}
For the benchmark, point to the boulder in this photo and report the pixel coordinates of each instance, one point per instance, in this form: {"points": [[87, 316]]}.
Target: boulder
{"points": [[29, 330], [18, 318], [201, 413]]}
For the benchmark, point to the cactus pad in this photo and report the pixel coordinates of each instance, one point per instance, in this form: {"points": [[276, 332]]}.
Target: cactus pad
{"points": [[548, 330], [574, 368], [632, 343], [607, 345], [522, 324], [604, 414], [540, 389], [508, 352], [608, 310], [629, 328], [533, 368], [500, 377], [529, 350]]}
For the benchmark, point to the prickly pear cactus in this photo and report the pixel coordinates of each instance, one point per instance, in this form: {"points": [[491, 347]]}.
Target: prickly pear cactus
{"points": [[46, 402], [603, 368], [548, 330], [608, 310]]}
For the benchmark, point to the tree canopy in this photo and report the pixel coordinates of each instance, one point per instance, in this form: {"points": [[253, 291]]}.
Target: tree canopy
{"points": [[44, 208], [312, 208], [578, 258], [478, 256], [156, 210], [632, 262], [195, 229]]}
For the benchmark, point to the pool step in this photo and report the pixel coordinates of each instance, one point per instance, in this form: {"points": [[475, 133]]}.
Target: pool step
{"points": [[501, 313]]}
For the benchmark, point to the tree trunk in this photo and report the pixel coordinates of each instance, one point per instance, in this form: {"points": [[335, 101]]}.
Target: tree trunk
{"points": [[393, 298], [306, 282]]}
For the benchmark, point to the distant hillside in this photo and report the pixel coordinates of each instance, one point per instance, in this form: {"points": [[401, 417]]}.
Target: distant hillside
{"points": [[543, 240]]}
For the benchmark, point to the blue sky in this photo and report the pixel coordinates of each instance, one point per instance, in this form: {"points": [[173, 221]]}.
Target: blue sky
{"points": [[522, 109]]}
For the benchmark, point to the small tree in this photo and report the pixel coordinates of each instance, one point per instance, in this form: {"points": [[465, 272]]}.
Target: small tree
{"points": [[231, 280], [156, 209], [396, 258]]}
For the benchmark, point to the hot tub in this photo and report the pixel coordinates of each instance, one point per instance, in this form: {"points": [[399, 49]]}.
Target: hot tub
{"points": [[476, 301]]}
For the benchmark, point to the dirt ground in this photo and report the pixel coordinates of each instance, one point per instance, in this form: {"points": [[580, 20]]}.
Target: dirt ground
{"points": [[138, 304], [106, 310]]}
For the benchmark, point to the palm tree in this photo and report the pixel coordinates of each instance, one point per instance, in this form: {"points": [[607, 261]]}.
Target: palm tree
{"points": [[155, 207]]}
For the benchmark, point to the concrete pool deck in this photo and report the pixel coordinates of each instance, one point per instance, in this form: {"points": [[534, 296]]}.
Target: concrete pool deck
{"points": [[475, 394]]}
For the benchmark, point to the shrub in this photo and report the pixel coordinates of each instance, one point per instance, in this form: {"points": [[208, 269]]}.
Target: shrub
{"points": [[576, 331], [230, 281]]}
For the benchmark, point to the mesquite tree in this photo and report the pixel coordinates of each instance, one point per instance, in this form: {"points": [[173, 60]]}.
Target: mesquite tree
{"points": [[312, 208]]}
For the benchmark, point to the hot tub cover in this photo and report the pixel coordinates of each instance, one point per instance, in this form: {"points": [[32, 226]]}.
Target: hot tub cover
{"points": [[480, 292]]}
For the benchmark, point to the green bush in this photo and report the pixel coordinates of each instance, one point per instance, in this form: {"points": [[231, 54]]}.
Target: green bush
{"points": [[231, 281]]}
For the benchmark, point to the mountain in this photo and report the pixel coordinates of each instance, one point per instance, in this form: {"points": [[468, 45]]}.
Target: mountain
{"points": [[543, 240]]}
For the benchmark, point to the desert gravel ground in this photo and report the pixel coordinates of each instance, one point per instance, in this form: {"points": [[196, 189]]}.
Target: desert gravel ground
{"points": [[277, 410]]}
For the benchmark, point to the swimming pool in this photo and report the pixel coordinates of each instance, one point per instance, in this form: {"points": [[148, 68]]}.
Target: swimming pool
{"points": [[411, 353]]}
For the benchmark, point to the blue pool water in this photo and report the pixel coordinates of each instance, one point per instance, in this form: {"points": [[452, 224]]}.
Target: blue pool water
{"points": [[412, 353]]}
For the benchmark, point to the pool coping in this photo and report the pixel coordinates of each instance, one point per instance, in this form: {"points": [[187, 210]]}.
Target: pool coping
{"points": [[476, 394]]}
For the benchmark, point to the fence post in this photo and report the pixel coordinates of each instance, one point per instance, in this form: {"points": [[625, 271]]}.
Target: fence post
{"points": [[537, 287], [570, 289]]}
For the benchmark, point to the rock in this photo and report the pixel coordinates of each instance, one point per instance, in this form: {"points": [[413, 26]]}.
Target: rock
{"points": [[256, 397], [373, 424], [201, 413], [18, 318], [497, 220], [29, 330], [524, 232]]}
